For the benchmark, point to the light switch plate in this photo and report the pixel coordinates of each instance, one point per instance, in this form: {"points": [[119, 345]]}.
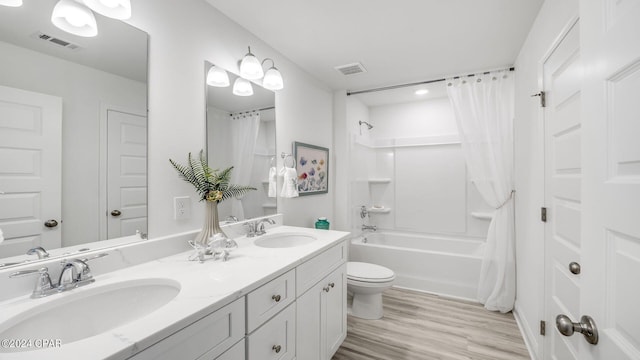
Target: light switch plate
{"points": [[181, 207]]}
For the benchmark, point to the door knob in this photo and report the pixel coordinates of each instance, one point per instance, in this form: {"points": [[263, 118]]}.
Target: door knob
{"points": [[574, 267], [586, 327], [116, 213], [51, 223]]}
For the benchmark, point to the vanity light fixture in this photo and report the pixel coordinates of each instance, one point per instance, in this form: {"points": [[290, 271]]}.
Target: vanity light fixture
{"points": [[272, 78], [12, 3], [115, 9], [422, 92], [242, 87], [75, 18], [217, 77], [250, 67]]}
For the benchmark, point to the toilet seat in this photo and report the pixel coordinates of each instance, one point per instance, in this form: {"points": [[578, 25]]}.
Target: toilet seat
{"points": [[368, 273]]}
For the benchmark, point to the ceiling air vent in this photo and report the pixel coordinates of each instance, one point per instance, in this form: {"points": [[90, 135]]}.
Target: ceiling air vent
{"points": [[350, 69], [55, 40]]}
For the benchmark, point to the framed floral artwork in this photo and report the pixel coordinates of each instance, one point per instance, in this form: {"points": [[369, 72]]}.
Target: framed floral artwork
{"points": [[312, 167]]}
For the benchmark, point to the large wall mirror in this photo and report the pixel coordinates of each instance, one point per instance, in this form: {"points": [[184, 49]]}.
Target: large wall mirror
{"points": [[241, 132], [73, 134]]}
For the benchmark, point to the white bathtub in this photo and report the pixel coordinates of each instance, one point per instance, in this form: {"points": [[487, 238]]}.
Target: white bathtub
{"points": [[444, 266]]}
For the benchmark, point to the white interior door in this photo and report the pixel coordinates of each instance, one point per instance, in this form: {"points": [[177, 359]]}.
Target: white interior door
{"points": [[30, 177], [611, 186], [126, 174], [563, 175]]}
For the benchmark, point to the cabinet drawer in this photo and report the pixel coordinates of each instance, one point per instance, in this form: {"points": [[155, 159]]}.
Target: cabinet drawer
{"points": [[235, 353], [276, 339], [269, 299], [315, 269], [206, 338]]}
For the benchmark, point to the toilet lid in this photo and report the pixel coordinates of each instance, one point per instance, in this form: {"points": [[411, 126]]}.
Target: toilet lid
{"points": [[368, 272]]}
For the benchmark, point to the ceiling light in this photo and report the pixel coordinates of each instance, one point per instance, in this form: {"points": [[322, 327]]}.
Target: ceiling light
{"points": [[74, 18], [421, 92], [12, 3], [250, 67], [217, 77], [272, 78], [116, 9], [242, 87]]}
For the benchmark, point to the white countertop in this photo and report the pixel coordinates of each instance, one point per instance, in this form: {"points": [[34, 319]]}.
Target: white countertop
{"points": [[205, 287]]}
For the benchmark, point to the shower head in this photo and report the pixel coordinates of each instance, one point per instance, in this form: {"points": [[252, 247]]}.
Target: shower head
{"points": [[369, 126]]}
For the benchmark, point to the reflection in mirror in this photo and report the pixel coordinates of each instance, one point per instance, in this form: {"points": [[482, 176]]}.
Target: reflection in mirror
{"points": [[73, 134], [241, 132]]}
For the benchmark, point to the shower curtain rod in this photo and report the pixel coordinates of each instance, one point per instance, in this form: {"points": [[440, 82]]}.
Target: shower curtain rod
{"points": [[249, 111], [349, 93]]}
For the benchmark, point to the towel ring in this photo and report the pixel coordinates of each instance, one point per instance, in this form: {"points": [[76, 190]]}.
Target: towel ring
{"points": [[286, 156]]}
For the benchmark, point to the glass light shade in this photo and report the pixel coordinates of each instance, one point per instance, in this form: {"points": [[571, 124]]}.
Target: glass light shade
{"points": [[12, 3], [242, 87], [217, 77], [116, 9], [273, 79], [250, 67], [74, 18]]}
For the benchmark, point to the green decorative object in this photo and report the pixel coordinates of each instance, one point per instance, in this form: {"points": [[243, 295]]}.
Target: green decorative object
{"points": [[213, 186], [322, 223]]}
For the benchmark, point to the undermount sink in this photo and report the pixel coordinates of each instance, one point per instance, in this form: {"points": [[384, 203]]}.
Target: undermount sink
{"points": [[90, 311], [284, 240]]}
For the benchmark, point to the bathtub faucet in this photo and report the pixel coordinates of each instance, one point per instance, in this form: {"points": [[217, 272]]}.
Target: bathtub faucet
{"points": [[369, 228]]}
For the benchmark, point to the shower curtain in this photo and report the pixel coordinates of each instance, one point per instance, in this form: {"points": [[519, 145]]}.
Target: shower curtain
{"points": [[244, 132], [483, 108]]}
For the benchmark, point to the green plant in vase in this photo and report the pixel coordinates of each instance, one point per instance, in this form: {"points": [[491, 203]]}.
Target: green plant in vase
{"points": [[213, 186]]}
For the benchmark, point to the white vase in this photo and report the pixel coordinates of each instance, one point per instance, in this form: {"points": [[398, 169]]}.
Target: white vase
{"points": [[211, 225]]}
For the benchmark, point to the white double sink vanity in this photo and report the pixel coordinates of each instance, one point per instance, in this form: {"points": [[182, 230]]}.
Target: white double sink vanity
{"points": [[279, 296]]}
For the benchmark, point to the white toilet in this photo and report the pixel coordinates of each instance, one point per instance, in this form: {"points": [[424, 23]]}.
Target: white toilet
{"points": [[367, 282]]}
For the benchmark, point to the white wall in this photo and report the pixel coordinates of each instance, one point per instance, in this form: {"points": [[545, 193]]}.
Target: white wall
{"points": [[183, 34], [529, 171], [83, 90]]}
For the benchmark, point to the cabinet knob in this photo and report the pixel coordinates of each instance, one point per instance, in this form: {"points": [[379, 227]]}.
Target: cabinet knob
{"points": [[116, 213], [276, 348], [326, 289], [332, 284], [276, 298]]}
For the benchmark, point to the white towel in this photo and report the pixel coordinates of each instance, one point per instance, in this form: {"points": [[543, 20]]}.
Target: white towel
{"points": [[272, 182], [290, 184]]}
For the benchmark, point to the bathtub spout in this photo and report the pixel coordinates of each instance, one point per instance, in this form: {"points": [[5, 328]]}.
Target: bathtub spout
{"points": [[369, 228]]}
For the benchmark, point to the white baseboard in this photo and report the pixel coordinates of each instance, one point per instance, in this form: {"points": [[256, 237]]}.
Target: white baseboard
{"points": [[530, 339]]}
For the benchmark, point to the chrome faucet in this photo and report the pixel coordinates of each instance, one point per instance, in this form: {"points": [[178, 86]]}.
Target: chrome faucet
{"points": [[75, 273], [231, 218], [369, 228], [260, 230], [40, 251], [256, 228]]}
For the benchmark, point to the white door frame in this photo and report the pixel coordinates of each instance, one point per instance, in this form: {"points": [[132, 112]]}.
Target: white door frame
{"points": [[542, 347], [103, 173]]}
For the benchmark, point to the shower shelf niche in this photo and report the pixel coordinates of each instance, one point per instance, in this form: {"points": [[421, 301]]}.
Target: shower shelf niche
{"points": [[379, 180], [482, 215], [376, 210]]}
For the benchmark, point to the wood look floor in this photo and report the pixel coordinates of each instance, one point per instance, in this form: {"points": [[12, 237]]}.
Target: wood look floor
{"points": [[420, 326]]}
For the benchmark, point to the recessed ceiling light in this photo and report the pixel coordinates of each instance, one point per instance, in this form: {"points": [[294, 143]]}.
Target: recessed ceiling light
{"points": [[421, 92]]}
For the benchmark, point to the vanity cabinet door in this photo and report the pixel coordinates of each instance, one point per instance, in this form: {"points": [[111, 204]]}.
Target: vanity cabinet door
{"points": [[204, 339], [321, 320], [309, 273], [269, 299], [235, 353], [276, 339], [335, 308]]}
